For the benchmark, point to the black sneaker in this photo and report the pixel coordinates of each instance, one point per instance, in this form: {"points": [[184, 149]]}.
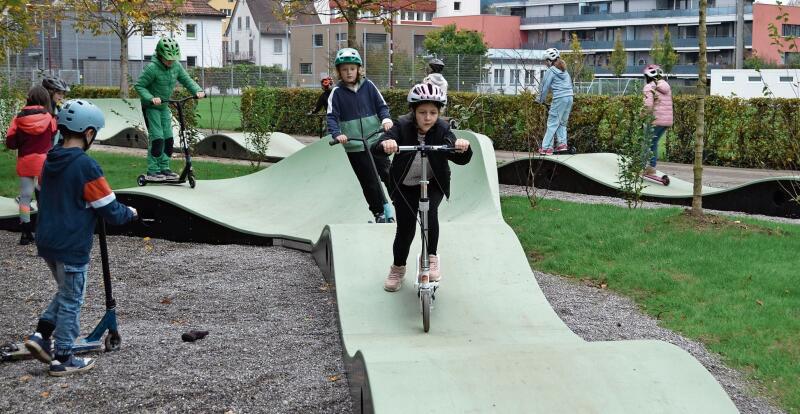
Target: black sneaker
{"points": [[41, 349], [169, 175], [73, 365]]}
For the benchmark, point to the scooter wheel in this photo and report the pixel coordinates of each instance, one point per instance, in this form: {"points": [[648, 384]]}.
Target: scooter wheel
{"points": [[573, 150], [425, 298], [113, 342], [192, 183], [141, 181], [665, 179]]}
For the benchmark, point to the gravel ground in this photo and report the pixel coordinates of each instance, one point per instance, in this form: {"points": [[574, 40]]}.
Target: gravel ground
{"points": [[273, 344]]}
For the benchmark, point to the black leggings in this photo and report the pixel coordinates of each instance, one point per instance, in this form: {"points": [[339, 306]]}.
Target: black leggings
{"points": [[406, 206], [362, 166]]}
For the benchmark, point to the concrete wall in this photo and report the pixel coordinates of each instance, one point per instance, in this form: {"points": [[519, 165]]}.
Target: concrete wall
{"points": [[763, 15], [749, 83]]}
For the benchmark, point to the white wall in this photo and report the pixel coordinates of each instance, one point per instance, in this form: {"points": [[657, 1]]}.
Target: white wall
{"points": [[748, 83], [206, 47], [507, 86], [266, 51], [263, 45], [445, 8]]}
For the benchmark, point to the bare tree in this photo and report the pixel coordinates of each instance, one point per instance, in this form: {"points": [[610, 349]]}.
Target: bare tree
{"points": [[124, 18]]}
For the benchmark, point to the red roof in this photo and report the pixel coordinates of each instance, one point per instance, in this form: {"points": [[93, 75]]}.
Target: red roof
{"points": [[416, 5], [199, 8]]}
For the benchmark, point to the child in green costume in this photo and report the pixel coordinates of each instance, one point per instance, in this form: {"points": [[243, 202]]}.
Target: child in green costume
{"points": [[155, 86]]}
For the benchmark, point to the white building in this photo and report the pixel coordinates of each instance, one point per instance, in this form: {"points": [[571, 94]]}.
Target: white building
{"points": [[512, 71], [256, 35], [456, 8], [200, 37], [749, 83]]}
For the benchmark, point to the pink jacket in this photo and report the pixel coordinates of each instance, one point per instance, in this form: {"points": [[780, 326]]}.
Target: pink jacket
{"points": [[658, 100]]}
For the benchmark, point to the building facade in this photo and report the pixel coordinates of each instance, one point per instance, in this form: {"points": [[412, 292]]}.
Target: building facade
{"points": [[550, 23], [512, 71], [457, 8], [788, 32], [751, 83]]}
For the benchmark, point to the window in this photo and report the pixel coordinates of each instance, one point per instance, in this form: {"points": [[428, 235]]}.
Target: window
{"points": [[341, 37], [498, 76], [595, 8], [146, 57], [529, 77], [239, 23], [246, 22], [236, 47], [191, 61], [318, 40], [226, 11], [728, 78], [457, 6], [250, 47], [277, 46], [147, 30], [305, 68], [419, 44], [787, 79], [515, 76], [754, 78], [191, 31], [428, 16], [791, 30]]}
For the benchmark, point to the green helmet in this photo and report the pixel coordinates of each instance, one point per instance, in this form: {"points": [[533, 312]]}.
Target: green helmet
{"points": [[347, 55], [168, 49]]}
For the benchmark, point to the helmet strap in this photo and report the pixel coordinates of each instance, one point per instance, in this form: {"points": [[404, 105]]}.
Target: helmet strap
{"points": [[88, 138]]}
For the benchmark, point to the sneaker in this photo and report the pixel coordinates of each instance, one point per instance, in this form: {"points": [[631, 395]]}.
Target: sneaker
{"points": [[543, 151], [435, 276], [155, 177], [394, 281], [41, 349], [26, 236], [562, 148], [169, 175], [380, 218], [72, 366], [649, 170]]}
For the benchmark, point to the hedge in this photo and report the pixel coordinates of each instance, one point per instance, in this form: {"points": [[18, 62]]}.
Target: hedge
{"points": [[752, 133]]}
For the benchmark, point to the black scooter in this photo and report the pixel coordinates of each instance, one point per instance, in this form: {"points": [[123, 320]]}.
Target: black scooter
{"points": [[188, 173]]}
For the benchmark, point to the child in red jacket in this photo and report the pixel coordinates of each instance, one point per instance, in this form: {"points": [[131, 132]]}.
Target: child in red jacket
{"points": [[31, 134]]}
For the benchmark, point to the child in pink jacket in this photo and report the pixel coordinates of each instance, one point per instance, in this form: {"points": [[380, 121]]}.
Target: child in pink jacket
{"points": [[657, 101]]}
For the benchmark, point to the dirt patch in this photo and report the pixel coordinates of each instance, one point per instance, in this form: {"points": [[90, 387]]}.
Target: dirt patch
{"points": [[711, 222]]}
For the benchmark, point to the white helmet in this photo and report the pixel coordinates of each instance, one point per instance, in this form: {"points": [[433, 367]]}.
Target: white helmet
{"points": [[653, 71], [552, 54], [427, 92]]}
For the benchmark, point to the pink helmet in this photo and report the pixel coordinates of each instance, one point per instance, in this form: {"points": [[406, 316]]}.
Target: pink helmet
{"points": [[653, 71]]}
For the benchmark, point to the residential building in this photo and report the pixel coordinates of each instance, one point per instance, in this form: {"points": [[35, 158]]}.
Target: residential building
{"points": [[457, 8], [550, 23], [257, 35], [751, 83], [226, 7], [512, 71], [787, 29], [499, 32], [414, 12]]}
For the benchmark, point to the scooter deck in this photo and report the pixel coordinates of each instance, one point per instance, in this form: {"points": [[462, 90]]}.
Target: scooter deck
{"points": [[17, 351], [663, 180]]}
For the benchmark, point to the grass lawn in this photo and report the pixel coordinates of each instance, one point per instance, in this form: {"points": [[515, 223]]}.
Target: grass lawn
{"points": [[220, 112], [120, 170], [733, 286]]}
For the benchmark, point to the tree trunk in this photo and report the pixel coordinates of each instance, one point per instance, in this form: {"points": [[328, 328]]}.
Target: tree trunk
{"points": [[697, 197], [352, 19], [123, 66]]}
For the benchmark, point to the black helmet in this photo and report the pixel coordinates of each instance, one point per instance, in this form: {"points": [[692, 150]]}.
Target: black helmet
{"points": [[437, 66], [54, 84]]}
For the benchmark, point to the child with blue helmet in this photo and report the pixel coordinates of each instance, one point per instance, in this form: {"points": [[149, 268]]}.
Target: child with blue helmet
{"points": [[74, 193]]}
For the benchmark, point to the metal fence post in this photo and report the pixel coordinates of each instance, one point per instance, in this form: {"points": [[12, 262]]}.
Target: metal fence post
{"points": [[458, 73]]}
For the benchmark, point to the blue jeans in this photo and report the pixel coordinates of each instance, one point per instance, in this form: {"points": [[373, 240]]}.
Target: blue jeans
{"points": [[656, 132], [64, 310], [557, 121]]}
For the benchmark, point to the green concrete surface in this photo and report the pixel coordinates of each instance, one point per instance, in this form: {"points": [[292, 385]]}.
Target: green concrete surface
{"points": [[495, 343], [236, 146], [123, 116]]}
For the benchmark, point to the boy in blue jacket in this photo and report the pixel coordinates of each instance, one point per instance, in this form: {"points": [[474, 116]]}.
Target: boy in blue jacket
{"points": [[74, 193], [557, 79], [356, 109]]}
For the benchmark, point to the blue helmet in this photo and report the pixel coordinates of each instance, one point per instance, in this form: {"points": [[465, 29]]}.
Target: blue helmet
{"points": [[78, 115]]}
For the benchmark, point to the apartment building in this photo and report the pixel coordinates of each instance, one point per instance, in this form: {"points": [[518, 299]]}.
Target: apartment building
{"points": [[550, 23]]}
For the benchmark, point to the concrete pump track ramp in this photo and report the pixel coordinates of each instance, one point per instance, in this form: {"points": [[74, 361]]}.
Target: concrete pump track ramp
{"points": [[597, 173], [125, 126], [495, 343], [235, 145]]}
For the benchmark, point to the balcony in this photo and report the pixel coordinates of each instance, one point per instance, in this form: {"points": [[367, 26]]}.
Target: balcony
{"points": [[638, 69], [649, 14], [692, 42], [240, 57]]}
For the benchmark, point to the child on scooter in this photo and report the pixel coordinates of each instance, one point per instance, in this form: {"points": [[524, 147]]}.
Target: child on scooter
{"points": [[31, 133], [658, 102], [356, 109], [155, 85], [74, 193], [421, 126], [557, 79], [322, 102]]}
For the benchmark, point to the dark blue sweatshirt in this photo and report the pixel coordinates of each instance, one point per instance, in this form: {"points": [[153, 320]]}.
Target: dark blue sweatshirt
{"points": [[74, 192]]}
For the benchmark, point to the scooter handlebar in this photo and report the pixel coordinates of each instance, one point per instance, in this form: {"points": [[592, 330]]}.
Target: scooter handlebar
{"points": [[335, 141], [182, 100], [426, 148]]}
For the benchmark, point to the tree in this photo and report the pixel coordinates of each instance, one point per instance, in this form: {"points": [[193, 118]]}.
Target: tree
{"points": [[618, 56], [699, 134], [662, 52], [19, 23], [655, 47], [124, 18], [451, 41], [576, 61]]}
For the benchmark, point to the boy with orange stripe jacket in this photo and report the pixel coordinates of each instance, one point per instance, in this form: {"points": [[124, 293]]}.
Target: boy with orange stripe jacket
{"points": [[74, 193]]}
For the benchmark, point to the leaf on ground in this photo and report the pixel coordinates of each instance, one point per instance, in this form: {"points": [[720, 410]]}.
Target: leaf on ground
{"points": [[166, 300], [334, 378], [64, 385], [603, 285], [45, 394], [325, 287], [25, 378], [760, 302]]}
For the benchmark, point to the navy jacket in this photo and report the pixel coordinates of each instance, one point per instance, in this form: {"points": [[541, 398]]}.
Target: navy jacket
{"points": [[356, 114]]}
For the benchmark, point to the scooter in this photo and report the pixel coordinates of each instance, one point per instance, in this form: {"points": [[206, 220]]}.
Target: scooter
{"points": [[663, 180], [94, 341], [188, 173]]}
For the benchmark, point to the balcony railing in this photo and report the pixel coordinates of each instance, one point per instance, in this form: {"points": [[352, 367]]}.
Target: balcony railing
{"points": [[648, 14], [240, 57], [638, 69], [691, 42]]}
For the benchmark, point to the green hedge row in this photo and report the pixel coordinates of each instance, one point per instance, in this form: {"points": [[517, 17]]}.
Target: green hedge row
{"points": [[755, 133]]}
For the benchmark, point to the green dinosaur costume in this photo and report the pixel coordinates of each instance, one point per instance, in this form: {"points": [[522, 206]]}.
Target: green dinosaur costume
{"points": [[158, 80]]}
